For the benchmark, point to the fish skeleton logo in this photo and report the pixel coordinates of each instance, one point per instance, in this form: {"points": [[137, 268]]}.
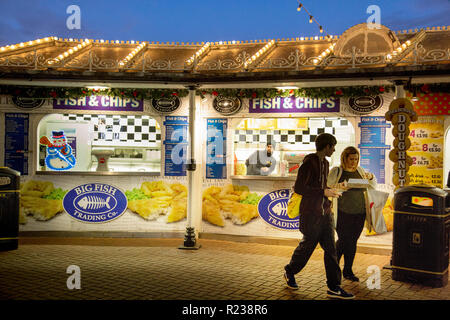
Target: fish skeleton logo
{"points": [[95, 202], [272, 208]]}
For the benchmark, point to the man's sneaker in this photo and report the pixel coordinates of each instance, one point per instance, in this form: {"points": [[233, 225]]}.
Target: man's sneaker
{"points": [[290, 281], [351, 277], [339, 293]]}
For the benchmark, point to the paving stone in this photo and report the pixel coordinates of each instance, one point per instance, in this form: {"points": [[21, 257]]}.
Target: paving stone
{"points": [[158, 270]]}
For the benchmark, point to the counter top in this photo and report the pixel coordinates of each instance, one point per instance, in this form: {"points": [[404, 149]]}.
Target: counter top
{"points": [[271, 178], [99, 173]]}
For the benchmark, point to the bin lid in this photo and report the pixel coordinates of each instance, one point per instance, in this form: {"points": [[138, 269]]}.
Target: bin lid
{"points": [[9, 179], [9, 171], [424, 188]]}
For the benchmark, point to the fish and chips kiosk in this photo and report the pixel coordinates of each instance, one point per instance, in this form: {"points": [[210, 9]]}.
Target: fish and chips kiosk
{"points": [[113, 161]]}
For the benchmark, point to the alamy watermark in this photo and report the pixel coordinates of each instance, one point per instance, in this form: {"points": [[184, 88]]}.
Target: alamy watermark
{"points": [[74, 20], [374, 279], [374, 20], [74, 280]]}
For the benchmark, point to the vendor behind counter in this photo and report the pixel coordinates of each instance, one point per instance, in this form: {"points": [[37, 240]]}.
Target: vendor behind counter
{"points": [[261, 162]]}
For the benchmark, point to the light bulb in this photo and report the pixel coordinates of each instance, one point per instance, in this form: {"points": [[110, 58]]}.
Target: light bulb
{"points": [[310, 19]]}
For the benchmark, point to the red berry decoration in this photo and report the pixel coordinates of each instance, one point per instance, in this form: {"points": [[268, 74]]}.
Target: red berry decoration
{"points": [[425, 88]]}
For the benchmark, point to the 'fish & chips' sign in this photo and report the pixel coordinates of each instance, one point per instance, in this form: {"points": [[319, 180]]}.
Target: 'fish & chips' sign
{"points": [[272, 208], [95, 203]]}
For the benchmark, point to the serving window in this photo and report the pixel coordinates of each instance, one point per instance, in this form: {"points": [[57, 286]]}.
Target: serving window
{"points": [[293, 139], [99, 143]]}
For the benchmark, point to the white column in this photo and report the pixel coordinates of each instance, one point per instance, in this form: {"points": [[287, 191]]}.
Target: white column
{"points": [[193, 171]]}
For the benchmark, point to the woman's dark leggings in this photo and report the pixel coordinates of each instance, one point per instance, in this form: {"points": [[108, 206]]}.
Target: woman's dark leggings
{"points": [[348, 228]]}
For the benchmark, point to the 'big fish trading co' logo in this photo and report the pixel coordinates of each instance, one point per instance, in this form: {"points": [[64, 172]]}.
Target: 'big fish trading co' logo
{"points": [[95, 202], [272, 208]]}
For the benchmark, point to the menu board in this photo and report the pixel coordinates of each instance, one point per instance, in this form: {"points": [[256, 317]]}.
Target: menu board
{"points": [[373, 146], [16, 141], [216, 167], [373, 160], [176, 144], [426, 151]]}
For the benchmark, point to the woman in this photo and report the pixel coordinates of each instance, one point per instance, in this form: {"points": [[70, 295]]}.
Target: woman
{"points": [[352, 207]]}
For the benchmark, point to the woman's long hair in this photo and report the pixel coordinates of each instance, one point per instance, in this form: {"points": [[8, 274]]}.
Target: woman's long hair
{"points": [[348, 151]]}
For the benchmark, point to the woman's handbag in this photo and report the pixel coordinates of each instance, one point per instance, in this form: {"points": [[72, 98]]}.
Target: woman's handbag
{"points": [[378, 200]]}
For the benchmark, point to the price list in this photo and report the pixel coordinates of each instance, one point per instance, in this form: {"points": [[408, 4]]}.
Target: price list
{"points": [[427, 140], [175, 145], [373, 146], [216, 167], [16, 141]]}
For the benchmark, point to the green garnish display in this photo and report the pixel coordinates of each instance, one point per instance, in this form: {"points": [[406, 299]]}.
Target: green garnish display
{"points": [[56, 194], [252, 198], [136, 194]]}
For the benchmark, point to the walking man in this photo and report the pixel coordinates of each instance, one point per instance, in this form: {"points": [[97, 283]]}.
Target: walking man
{"points": [[316, 222]]}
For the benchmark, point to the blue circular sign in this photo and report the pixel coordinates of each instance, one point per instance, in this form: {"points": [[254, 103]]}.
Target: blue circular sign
{"points": [[95, 202], [272, 208]]}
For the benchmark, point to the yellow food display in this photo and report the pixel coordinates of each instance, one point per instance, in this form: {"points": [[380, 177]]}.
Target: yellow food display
{"points": [[156, 198], [36, 188], [39, 199], [148, 209], [178, 206], [41, 209], [220, 203], [241, 169]]}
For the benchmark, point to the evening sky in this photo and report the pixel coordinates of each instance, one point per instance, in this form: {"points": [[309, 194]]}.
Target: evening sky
{"points": [[207, 20]]}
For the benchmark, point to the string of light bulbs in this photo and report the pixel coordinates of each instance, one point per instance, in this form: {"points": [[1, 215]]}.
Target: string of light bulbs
{"points": [[311, 18]]}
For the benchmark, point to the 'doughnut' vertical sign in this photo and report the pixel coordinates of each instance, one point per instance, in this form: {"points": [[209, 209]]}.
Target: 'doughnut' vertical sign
{"points": [[401, 113]]}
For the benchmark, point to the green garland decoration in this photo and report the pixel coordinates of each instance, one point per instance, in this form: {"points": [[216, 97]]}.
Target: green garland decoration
{"points": [[318, 93], [77, 92], [321, 92]]}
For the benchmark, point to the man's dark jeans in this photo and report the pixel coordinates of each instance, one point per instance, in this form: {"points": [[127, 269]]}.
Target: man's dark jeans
{"points": [[317, 229]]}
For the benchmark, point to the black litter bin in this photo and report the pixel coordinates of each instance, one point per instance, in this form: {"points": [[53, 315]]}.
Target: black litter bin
{"points": [[420, 248], [9, 208]]}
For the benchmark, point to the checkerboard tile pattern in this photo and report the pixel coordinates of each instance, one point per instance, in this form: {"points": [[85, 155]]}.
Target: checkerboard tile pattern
{"points": [[121, 128], [315, 127]]}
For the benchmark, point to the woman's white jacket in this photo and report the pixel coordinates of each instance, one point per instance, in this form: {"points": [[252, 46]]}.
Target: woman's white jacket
{"points": [[333, 179]]}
